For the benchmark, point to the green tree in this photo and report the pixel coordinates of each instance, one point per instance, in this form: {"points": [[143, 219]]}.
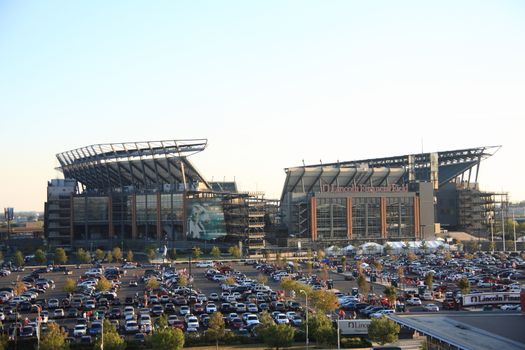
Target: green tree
{"points": [[83, 256], [309, 267], [362, 284], [424, 247], [323, 300], [54, 338], [167, 339], [196, 252], [382, 330], [464, 285], [235, 251], [162, 322], [509, 245], [1, 256], [4, 339], [230, 281], [152, 283], [387, 249], [343, 263], [411, 256], [447, 256], [492, 246], [322, 330], [40, 256], [262, 279], [60, 256], [112, 339], [215, 252], [129, 255], [391, 293], [103, 284], [99, 254], [183, 280], [150, 252], [216, 328], [278, 336], [117, 254], [109, 257], [19, 288], [18, 258], [69, 285], [172, 254], [429, 280], [320, 254]]}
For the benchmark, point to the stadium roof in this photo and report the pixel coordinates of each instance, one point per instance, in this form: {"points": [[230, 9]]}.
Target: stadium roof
{"points": [[140, 164], [386, 171]]}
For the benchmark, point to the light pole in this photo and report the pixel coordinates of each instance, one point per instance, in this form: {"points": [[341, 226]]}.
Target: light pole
{"points": [[306, 297], [491, 221], [514, 226]]}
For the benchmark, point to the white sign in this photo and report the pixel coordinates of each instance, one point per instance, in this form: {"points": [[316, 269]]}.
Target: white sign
{"points": [[350, 327], [491, 298]]}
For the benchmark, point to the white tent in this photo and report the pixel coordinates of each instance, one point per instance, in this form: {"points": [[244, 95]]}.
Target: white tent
{"points": [[333, 250], [396, 247], [348, 248], [371, 247]]}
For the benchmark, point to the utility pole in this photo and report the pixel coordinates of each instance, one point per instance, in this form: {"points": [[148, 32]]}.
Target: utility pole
{"points": [[514, 226]]}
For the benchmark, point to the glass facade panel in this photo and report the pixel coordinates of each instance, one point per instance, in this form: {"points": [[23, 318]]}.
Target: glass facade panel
{"points": [[97, 209], [373, 217], [331, 218], [79, 209], [358, 217]]}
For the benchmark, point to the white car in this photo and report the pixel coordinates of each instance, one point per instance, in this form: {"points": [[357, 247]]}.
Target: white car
{"points": [[172, 319], [413, 301], [252, 320], [204, 264], [509, 307], [192, 322], [184, 310], [58, 313], [211, 308], [431, 307], [131, 327], [79, 330], [381, 313], [281, 319], [53, 304], [252, 308]]}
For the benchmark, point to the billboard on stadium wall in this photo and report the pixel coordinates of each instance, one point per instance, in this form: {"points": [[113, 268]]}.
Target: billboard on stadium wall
{"points": [[205, 219], [491, 298]]}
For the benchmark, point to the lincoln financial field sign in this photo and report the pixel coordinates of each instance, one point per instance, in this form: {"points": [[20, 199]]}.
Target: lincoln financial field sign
{"points": [[491, 298], [351, 327], [363, 188]]}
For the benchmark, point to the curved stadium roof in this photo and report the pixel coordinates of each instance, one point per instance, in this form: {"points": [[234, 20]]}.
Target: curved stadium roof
{"points": [[140, 164], [386, 171]]}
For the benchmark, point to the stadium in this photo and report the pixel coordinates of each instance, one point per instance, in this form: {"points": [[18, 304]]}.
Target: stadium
{"points": [[402, 198], [147, 193]]}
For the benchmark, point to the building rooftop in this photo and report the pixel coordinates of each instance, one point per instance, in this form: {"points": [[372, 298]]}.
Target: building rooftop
{"points": [[470, 330]]}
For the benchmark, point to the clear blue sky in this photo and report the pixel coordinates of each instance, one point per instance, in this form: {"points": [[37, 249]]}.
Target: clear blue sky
{"points": [[269, 83]]}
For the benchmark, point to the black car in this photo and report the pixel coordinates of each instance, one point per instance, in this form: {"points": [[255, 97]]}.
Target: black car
{"points": [[72, 313], [115, 313], [129, 301], [25, 306], [169, 308]]}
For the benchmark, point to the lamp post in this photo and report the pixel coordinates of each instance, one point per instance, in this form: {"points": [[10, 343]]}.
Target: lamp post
{"points": [[491, 221], [306, 297]]}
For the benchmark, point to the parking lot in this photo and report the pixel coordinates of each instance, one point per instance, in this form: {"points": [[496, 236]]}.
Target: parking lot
{"points": [[135, 309]]}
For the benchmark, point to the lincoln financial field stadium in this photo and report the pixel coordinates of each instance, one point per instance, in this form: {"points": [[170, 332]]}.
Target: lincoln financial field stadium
{"points": [[142, 193], [147, 192]]}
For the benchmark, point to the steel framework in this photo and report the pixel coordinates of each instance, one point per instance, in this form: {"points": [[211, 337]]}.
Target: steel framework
{"points": [[147, 164]]}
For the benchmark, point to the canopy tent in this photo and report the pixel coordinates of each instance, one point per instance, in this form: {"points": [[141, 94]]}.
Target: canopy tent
{"points": [[395, 247], [371, 247], [416, 246], [348, 248], [333, 250]]}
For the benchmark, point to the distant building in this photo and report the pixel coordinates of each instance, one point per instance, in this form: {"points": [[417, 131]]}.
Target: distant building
{"points": [[396, 198]]}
